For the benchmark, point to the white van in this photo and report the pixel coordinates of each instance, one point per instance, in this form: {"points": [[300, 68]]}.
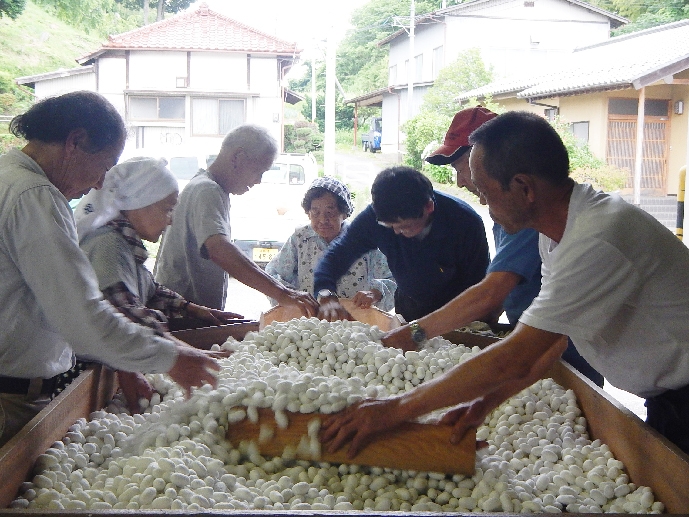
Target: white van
{"points": [[264, 218], [183, 162]]}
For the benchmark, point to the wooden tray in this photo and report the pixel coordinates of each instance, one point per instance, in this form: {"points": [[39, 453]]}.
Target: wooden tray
{"points": [[373, 316], [420, 447], [650, 459]]}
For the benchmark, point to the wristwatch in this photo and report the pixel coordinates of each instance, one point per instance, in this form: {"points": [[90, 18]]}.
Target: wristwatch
{"points": [[418, 334], [325, 293]]}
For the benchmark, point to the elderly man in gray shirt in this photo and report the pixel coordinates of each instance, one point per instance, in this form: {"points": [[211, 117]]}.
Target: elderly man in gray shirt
{"points": [[196, 254]]}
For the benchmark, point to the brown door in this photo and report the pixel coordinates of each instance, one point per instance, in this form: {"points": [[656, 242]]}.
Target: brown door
{"points": [[622, 145]]}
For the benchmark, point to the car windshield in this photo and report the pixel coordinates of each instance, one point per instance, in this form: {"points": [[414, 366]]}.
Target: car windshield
{"points": [[283, 173], [184, 167]]}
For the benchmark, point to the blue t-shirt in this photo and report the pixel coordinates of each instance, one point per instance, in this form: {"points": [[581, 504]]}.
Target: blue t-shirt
{"points": [[518, 254], [431, 271]]}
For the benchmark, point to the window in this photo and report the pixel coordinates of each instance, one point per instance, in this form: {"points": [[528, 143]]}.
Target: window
{"points": [[216, 116], [652, 107], [153, 108], [392, 77], [437, 61], [283, 173], [418, 64], [580, 130]]}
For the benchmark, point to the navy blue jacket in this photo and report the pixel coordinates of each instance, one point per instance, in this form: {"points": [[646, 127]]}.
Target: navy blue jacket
{"points": [[432, 271]]}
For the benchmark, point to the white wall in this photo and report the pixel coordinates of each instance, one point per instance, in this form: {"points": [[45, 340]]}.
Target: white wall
{"points": [[60, 85], [512, 38], [156, 70], [264, 78], [218, 71]]}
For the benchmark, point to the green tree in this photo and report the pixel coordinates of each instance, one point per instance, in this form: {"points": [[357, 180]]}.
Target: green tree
{"points": [[428, 128], [361, 62], [644, 15], [159, 6], [12, 8], [102, 17]]}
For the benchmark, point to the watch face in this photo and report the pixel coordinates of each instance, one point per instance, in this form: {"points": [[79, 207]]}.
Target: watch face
{"points": [[418, 334]]}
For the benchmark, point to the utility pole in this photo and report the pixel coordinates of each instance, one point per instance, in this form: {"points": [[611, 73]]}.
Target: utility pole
{"points": [[329, 143], [313, 87], [411, 72]]}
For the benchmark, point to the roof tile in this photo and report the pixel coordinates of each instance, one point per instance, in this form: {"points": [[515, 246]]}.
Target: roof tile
{"points": [[202, 29], [632, 60]]}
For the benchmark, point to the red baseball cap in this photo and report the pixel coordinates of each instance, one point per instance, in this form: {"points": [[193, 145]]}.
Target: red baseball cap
{"points": [[457, 137]]}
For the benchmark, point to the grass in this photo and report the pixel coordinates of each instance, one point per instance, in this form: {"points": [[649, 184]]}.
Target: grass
{"points": [[34, 43]]}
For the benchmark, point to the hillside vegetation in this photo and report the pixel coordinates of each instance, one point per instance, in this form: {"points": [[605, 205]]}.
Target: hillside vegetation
{"points": [[36, 42]]}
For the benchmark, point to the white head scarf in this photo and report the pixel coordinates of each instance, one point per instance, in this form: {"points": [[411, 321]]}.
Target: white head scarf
{"points": [[130, 185]]}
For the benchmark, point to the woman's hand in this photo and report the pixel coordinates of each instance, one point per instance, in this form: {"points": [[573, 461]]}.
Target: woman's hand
{"points": [[365, 299], [213, 316], [134, 387]]}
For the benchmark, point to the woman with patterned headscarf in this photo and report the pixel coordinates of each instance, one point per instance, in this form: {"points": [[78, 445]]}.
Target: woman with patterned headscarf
{"points": [[327, 202], [136, 202]]}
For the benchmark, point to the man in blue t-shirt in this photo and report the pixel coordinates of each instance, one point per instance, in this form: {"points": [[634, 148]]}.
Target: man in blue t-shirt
{"points": [[513, 278]]}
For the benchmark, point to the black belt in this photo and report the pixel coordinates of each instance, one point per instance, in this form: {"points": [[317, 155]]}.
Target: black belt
{"points": [[18, 386]]}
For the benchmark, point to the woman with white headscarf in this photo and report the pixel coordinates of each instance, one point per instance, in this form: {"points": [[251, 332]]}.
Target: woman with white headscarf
{"points": [[136, 202]]}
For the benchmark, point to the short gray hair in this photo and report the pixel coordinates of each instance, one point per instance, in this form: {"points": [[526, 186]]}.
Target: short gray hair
{"points": [[254, 139]]}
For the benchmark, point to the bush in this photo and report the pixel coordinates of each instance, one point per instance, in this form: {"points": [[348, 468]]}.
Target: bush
{"points": [[9, 141], [585, 167], [606, 178], [303, 137], [344, 137], [425, 128]]}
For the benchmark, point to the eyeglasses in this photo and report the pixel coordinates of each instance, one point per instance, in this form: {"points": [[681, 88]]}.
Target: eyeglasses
{"points": [[326, 214]]}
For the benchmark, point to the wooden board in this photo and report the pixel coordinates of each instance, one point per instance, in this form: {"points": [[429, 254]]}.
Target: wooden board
{"points": [[90, 391], [206, 337], [372, 316], [420, 447]]}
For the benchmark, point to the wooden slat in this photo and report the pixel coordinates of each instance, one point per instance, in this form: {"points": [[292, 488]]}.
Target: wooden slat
{"points": [[208, 336], [90, 391], [372, 316], [420, 447]]}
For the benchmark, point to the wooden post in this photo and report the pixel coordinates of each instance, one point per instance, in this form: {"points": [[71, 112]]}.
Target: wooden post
{"points": [[638, 158]]}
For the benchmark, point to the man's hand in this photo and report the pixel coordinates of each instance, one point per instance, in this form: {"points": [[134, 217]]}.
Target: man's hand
{"points": [[212, 316], [331, 309], [466, 416], [399, 338], [134, 387], [306, 303], [194, 368], [365, 299], [359, 423]]}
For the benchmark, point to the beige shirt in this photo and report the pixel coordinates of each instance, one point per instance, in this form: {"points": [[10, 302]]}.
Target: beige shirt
{"points": [[51, 305]]}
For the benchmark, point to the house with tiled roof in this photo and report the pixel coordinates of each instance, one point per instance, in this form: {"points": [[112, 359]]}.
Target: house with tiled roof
{"points": [[607, 91], [511, 35], [185, 80]]}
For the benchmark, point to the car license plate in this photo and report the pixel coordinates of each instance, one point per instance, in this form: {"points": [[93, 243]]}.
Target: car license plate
{"points": [[264, 254]]}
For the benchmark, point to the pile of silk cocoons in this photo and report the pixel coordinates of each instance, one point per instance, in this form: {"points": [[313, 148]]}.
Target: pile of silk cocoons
{"points": [[174, 454]]}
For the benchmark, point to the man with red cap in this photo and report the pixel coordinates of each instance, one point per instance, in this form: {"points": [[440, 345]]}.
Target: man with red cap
{"points": [[513, 278]]}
